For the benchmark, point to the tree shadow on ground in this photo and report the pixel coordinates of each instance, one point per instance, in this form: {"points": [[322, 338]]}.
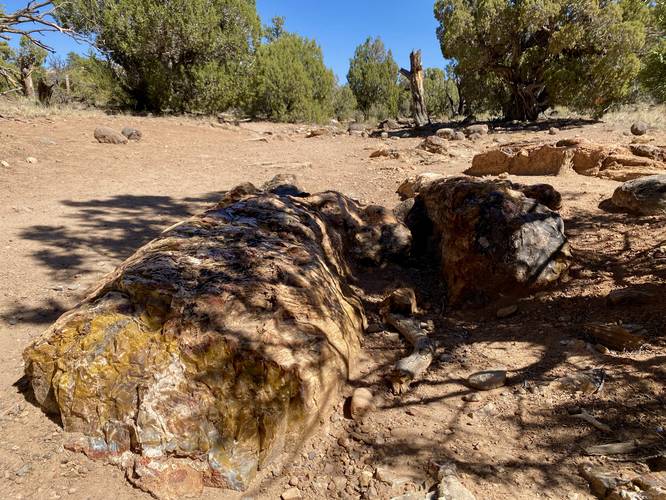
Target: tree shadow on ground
{"points": [[496, 126], [99, 234]]}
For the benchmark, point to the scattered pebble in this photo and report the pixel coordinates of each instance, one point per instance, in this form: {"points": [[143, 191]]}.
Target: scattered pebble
{"points": [[31, 160]]}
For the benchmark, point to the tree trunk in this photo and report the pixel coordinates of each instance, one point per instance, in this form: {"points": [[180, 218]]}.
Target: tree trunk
{"points": [[526, 103], [415, 77], [26, 83]]}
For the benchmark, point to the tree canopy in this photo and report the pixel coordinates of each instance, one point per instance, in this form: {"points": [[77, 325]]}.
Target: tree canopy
{"points": [[174, 55], [290, 81], [373, 78], [523, 57]]}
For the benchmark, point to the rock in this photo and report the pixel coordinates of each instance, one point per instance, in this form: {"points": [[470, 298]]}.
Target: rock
{"points": [[385, 153], [132, 134], [221, 341], [389, 477], [284, 185], [619, 337], [639, 128], [402, 209], [365, 478], [480, 129], [491, 239], [106, 135], [583, 157], [291, 494], [472, 398], [410, 187], [374, 328], [649, 151], [629, 297], [361, 403], [544, 194], [318, 132], [357, 127], [474, 137], [4, 164], [553, 131], [601, 481], [384, 135], [450, 487], [389, 124], [586, 382], [400, 301], [644, 196], [173, 480], [293, 481], [505, 312], [487, 380], [458, 136], [434, 144], [30, 159], [446, 133]]}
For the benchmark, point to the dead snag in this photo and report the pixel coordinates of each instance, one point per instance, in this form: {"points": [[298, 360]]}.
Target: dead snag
{"points": [[415, 77], [413, 366]]}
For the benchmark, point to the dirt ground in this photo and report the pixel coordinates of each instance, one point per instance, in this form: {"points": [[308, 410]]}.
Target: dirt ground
{"points": [[83, 207]]}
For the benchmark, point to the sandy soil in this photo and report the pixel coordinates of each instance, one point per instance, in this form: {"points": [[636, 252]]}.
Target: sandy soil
{"points": [[83, 207]]}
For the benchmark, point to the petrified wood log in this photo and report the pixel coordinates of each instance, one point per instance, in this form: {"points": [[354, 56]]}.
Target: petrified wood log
{"points": [[218, 341], [491, 237]]}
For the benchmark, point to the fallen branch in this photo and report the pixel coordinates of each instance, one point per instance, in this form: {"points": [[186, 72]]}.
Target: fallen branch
{"points": [[593, 421], [619, 448], [410, 368]]}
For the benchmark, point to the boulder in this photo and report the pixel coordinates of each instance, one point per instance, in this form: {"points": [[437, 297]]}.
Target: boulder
{"points": [[411, 186], [639, 128], [458, 136], [644, 196], [357, 127], [434, 144], [106, 135], [474, 137], [578, 155], [446, 133], [649, 151], [132, 134], [492, 239], [481, 129], [284, 185], [389, 124], [220, 342], [487, 380]]}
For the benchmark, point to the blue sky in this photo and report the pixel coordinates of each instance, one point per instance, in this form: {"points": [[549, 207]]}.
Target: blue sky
{"points": [[338, 26]]}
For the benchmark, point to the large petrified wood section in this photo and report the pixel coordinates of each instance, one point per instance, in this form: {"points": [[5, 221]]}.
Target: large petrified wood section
{"points": [[492, 238], [219, 340]]}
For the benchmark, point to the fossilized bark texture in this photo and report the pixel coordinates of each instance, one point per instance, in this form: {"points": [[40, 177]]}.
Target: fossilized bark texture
{"points": [[219, 339], [492, 238], [578, 155]]}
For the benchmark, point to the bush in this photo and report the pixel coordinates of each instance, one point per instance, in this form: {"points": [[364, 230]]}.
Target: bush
{"points": [[291, 82], [373, 78]]}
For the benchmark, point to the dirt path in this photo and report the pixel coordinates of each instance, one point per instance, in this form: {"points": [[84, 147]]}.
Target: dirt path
{"points": [[83, 207]]}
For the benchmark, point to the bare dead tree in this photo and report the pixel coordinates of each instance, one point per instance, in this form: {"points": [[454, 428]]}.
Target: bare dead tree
{"points": [[31, 21], [415, 77]]}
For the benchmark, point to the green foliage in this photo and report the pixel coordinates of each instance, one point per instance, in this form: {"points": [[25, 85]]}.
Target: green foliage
{"points": [[523, 57], [653, 75], [441, 94], [344, 103], [291, 82], [92, 81], [373, 78], [174, 55]]}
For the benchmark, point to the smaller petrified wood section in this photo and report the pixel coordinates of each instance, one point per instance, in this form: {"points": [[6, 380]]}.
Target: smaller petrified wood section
{"points": [[218, 342], [492, 238], [415, 77], [569, 155]]}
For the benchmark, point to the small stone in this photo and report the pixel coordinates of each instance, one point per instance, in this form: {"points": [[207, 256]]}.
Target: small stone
{"points": [[31, 159], [25, 468], [293, 481], [384, 135], [291, 494], [505, 312], [487, 380], [365, 478], [602, 349], [4, 164], [71, 491], [553, 130], [639, 128], [106, 135], [472, 398], [133, 134], [361, 403], [446, 133]]}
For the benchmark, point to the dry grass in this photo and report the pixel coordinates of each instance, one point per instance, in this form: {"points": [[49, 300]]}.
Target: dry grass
{"points": [[13, 107], [654, 115]]}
